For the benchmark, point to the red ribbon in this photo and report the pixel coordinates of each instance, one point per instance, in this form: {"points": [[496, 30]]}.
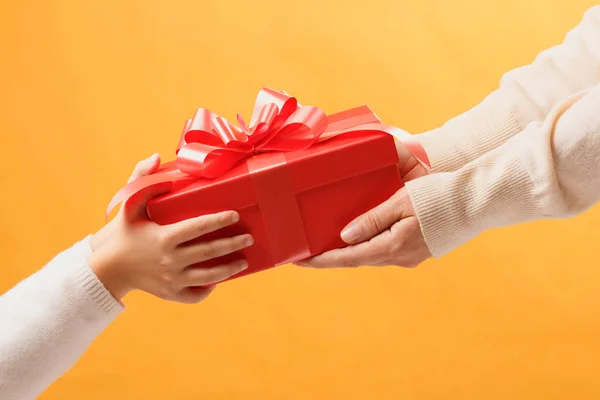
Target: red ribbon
{"points": [[210, 145]]}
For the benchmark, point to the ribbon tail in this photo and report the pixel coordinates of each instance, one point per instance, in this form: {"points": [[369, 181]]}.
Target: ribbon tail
{"points": [[410, 142], [158, 183], [416, 149]]}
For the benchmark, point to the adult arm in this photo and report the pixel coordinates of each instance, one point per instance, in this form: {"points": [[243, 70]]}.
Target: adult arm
{"points": [[525, 95]]}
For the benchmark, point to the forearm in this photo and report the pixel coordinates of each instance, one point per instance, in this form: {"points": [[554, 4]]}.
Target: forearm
{"points": [[48, 321], [549, 170], [525, 95]]}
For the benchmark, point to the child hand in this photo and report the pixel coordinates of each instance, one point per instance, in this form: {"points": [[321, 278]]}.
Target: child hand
{"points": [[134, 253]]}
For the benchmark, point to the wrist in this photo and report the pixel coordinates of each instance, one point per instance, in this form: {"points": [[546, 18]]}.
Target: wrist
{"points": [[470, 135], [109, 272], [454, 207], [102, 236]]}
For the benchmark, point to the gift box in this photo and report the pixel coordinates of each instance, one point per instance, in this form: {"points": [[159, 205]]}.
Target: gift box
{"points": [[296, 176]]}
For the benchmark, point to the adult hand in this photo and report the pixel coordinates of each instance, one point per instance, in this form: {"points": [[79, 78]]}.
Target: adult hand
{"points": [[389, 234]]}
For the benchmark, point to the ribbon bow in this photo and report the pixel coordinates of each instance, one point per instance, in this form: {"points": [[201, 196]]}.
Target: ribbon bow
{"points": [[210, 145]]}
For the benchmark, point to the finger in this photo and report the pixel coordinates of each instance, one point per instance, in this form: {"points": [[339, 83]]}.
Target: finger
{"points": [[189, 229], [409, 248], [193, 295], [145, 167], [416, 172], [134, 208], [198, 276], [388, 263], [375, 220], [372, 252], [195, 253], [304, 264], [395, 262], [406, 160]]}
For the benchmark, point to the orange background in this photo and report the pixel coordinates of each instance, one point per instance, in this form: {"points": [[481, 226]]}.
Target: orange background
{"points": [[88, 88]]}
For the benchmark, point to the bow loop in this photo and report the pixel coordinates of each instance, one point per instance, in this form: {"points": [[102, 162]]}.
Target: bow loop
{"points": [[284, 103], [301, 130], [210, 145]]}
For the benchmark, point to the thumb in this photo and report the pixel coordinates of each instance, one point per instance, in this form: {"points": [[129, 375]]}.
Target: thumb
{"points": [[134, 207], [145, 167], [378, 219]]}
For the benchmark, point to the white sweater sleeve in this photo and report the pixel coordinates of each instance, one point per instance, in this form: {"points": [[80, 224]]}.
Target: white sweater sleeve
{"points": [[549, 170], [49, 320], [525, 95]]}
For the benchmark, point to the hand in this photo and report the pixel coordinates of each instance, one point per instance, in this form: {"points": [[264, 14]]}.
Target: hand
{"points": [[389, 234], [134, 253]]}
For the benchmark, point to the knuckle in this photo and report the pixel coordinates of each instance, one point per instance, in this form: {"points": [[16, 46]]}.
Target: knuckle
{"points": [[349, 263], [232, 269], [170, 283], [398, 245], [165, 238], [401, 204], [167, 279], [210, 275], [238, 243], [394, 249], [398, 199], [164, 293], [374, 221], [166, 261], [199, 225], [209, 251], [224, 219], [217, 274]]}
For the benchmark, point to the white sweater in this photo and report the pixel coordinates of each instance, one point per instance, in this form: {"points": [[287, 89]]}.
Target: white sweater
{"points": [[530, 150], [49, 320]]}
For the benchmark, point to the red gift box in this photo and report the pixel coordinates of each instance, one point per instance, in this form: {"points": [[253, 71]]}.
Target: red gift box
{"points": [[296, 176]]}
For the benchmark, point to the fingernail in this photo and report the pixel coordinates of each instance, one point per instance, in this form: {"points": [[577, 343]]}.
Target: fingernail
{"points": [[351, 234], [249, 241], [235, 217], [243, 265]]}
